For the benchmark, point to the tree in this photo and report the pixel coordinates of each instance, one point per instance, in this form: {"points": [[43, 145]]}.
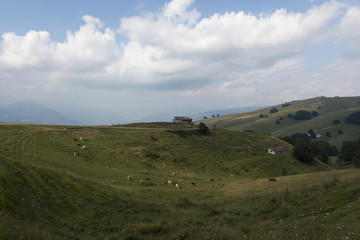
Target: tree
{"points": [[312, 133], [314, 113], [303, 151], [323, 150], [297, 136], [350, 151], [336, 121], [273, 110], [302, 115], [353, 118], [203, 129]]}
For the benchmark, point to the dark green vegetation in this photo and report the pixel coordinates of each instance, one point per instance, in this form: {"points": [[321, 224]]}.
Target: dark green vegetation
{"points": [[50, 188], [333, 120]]}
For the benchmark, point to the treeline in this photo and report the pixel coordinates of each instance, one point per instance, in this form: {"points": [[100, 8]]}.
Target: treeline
{"points": [[307, 151]]}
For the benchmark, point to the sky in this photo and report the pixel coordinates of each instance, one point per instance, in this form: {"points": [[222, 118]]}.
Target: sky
{"points": [[140, 58]]}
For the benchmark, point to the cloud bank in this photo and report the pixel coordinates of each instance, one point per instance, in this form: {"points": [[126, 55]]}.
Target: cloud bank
{"points": [[233, 53]]}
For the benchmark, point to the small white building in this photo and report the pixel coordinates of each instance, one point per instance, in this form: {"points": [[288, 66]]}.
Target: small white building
{"points": [[277, 150]]}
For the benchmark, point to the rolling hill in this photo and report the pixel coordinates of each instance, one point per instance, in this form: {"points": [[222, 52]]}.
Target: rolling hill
{"points": [[51, 187], [280, 125]]}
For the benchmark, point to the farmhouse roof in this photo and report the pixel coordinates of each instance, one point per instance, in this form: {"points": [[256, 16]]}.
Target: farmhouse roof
{"points": [[278, 149]]}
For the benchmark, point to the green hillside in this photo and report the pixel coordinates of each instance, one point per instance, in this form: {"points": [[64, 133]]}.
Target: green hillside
{"points": [[50, 188], [279, 124]]}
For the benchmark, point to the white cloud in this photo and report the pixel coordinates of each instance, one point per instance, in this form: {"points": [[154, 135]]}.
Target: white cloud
{"points": [[30, 50], [175, 49]]}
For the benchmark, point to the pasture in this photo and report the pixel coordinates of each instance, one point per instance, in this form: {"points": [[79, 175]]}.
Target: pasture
{"points": [[47, 192]]}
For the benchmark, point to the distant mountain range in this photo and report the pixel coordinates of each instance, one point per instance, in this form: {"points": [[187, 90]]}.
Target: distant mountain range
{"points": [[31, 112], [27, 111]]}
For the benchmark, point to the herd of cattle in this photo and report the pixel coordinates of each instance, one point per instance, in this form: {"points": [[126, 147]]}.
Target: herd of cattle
{"points": [[169, 182], [129, 178], [82, 146]]}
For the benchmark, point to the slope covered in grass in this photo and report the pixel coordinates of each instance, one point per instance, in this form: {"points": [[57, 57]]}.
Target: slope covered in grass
{"points": [[46, 192], [280, 125]]}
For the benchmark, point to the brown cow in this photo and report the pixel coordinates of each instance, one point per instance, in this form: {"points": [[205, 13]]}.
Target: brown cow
{"points": [[272, 179], [193, 184]]}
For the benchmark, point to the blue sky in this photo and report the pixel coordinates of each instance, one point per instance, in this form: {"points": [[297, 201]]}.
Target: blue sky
{"points": [[143, 57]]}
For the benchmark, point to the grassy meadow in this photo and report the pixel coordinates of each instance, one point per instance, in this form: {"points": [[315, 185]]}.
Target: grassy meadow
{"points": [[50, 188]]}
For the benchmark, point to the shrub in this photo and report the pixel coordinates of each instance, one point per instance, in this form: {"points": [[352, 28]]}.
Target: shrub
{"points": [[340, 131], [261, 115], [290, 115], [314, 113], [328, 134], [277, 121]]}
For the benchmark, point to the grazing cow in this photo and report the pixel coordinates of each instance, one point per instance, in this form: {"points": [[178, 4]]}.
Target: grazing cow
{"points": [[193, 184], [162, 181], [75, 153], [75, 140], [83, 147], [170, 182], [129, 177], [211, 179], [174, 173], [81, 139], [272, 179], [141, 181], [78, 144], [177, 186]]}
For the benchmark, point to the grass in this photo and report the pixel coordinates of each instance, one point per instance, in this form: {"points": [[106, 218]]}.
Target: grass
{"points": [[48, 193]]}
